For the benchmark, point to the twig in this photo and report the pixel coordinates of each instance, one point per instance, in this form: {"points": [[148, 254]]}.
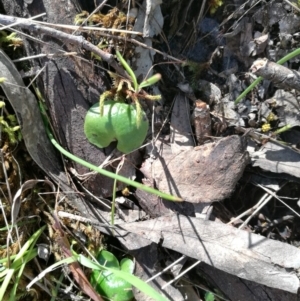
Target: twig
{"points": [[258, 207], [250, 210], [49, 55], [98, 8], [87, 28], [260, 137], [293, 5], [278, 198], [166, 269], [63, 214], [65, 38], [181, 274], [102, 30], [17, 23], [277, 221]]}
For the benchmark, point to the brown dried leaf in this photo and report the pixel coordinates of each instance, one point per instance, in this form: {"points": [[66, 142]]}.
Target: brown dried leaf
{"points": [[206, 174]]}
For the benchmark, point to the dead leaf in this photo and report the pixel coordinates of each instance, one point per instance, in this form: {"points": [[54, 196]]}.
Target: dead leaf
{"points": [[287, 108], [149, 21], [180, 131], [276, 158], [206, 174]]}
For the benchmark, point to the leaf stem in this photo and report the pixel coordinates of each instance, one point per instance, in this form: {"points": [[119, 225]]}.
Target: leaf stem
{"points": [[128, 69], [110, 174]]}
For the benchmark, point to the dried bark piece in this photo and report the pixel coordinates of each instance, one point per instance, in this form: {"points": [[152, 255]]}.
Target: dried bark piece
{"points": [[281, 76], [209, 91], [263, 262], [237, 252], [180, 130], [241, 289], [205, 174], [202, 122], [277, 158]]}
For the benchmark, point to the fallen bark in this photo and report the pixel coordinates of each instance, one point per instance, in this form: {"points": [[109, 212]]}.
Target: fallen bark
{"points": [[246, 255], [281, 76]]}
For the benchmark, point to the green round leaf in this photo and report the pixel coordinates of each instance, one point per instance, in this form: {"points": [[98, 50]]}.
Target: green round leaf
{"points": [[119, 122], [108, 259], [109, 285], [127, 265], [209, 296]]}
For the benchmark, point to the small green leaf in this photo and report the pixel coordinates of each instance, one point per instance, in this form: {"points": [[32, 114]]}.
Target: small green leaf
{"points": [[209, 296], [108, 259], [127, 265], [150, 81], [128, 69], [107, 283]]}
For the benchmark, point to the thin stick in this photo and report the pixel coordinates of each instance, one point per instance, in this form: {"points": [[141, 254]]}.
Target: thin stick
{"points": [[181, 274], [18, 22], [293, 5], [99, 7], [65, 38], [249, 211], [260, 137], [79, 218], [278, 198], [88, 28], [50, 55], [255, 211], [166, 269], [113, 203]]}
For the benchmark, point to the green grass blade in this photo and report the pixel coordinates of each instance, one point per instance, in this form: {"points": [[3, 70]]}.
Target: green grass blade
{"points": [[283, 129], [150, 81], [31, 241], [29, 256], [6, 282], [110, 174], [135, 281], [246, 91], [26, 253], [51, 268], [128, 69]]}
